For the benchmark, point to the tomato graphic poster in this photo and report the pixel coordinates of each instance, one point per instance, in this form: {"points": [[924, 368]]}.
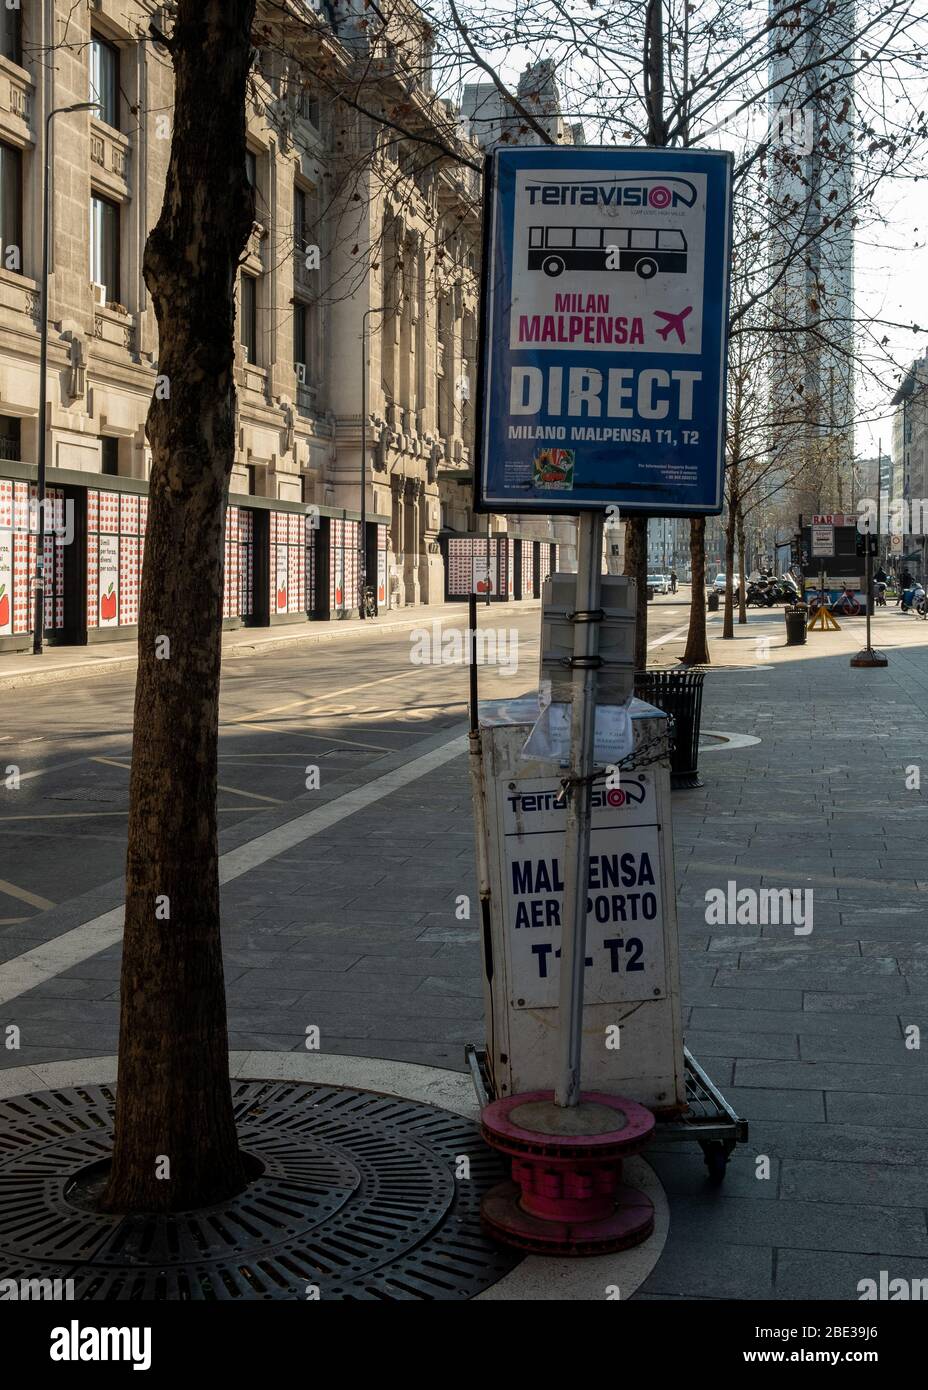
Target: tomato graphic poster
{"points": [[6, 583], [281, 598], [485, 575], [109, 581], [339, 579]]}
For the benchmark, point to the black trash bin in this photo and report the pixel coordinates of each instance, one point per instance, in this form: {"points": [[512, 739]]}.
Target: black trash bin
{"points": [[795, 617], [679, 695], [712, 603]]}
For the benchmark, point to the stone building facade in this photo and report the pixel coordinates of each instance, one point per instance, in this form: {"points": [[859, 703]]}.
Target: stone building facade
{"points": [[357, 310]]}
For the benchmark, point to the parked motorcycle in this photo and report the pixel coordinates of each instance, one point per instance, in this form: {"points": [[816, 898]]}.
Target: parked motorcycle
{"points": [[770, 590], [759, 594]]}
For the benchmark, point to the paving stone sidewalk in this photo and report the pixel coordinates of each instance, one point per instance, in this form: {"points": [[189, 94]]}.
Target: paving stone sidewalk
{"points": [[354, 931]]}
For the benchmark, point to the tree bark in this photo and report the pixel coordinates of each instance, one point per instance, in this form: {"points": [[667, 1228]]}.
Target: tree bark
{"points": [[697, 646], [742, 605], [175, 1143], [728, 621], [636, 566]]}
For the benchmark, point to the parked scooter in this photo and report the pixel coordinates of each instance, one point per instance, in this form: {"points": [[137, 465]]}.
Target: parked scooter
{"points": [[913, 599], [791, 590]]}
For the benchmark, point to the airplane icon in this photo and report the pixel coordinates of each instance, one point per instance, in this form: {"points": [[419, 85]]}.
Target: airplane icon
{"points": [[674, 323]]}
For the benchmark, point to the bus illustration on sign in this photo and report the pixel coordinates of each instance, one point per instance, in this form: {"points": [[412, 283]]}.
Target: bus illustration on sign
{"points": [[645, 250]]}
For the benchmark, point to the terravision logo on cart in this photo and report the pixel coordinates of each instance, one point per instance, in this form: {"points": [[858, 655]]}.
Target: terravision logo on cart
{"points": [[524, 804]]}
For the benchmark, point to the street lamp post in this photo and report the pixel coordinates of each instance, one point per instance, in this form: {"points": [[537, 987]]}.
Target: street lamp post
{"points": [[362, 558], [38, 619]]}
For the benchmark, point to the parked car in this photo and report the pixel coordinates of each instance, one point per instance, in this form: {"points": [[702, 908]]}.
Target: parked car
{"points": [[660, 583], [719, 585]]}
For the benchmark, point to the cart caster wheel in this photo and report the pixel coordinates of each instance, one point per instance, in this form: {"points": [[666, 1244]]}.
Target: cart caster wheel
{"points": [[716, 1155]]}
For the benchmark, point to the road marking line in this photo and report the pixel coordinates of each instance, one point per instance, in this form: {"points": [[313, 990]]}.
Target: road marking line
{"points": [[111, 762], [314, 699], [237, 757], [95, 815], [669, 636], [254, 796], [33, 899], [10, 921], [65, 815], [33, 968], [313, 737], [43, 771]]}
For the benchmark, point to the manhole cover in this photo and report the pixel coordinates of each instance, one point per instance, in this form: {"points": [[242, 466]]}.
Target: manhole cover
{"points": [[87, 794], [360, 1196]]}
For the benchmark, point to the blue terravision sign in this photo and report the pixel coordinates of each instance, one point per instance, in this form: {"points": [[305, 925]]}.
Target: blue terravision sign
{"points": [[604, 330]]}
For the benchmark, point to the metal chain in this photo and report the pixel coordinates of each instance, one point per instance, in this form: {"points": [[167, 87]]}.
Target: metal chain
{"points": [[659, 747]]}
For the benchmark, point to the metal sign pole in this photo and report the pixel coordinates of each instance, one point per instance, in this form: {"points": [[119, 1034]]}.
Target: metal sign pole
{"points": [[587, 617], [869, 583]]}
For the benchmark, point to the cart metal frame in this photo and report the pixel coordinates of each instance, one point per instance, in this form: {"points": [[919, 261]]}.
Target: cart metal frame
{"points": [[709, 1119]]}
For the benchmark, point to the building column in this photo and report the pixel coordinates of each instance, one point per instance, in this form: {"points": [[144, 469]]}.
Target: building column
{"points": [[413, 541], [397, 528]]}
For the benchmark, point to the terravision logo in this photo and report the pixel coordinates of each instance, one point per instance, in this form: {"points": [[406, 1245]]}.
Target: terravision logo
{"points": [[638, 192]]}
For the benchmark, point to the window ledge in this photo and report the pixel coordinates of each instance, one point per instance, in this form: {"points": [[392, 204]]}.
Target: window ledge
{"points": [[116, 313], [22, 282], [16, 70], [110, 132]]}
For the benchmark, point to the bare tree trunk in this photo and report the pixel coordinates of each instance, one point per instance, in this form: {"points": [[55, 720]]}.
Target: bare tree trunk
{"points": [[654, 72], [742, 606], [175, 1144], [636, 528], [636, 566], [697, 646], [728, 621]]}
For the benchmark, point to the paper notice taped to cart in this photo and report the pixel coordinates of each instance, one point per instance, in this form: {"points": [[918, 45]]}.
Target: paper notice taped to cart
{"points": [[550, 736]]}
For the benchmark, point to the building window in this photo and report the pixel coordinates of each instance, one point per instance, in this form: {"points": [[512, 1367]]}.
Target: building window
{"points": [[104, 80], [300, 220], [305, 330], [251, 168], [109, 455], [300, 341], [248, 313], [104, 246], [11, 208], [9, 437], [11, 35], [308, 106]]}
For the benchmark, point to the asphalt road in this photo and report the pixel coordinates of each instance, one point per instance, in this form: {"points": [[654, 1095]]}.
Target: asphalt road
{"points": [[333, 706]]}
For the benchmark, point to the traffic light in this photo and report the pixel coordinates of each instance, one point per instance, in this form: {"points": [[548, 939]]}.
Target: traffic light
{"points": [[865, 544]]}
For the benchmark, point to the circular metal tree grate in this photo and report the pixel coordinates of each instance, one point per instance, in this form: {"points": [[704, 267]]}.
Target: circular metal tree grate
{"points": [[357, 1196]]}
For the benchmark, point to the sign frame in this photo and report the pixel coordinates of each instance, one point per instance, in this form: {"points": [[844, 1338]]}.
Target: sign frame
{"points": [[641, 493], [823, 546]]}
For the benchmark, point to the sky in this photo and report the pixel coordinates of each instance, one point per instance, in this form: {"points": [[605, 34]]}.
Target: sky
{"points": [[891, 261]]}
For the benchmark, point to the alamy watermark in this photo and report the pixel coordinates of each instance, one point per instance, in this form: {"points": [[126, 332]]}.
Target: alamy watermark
{"points": [[56, 514], [732, 906], [36, 1290], [454, 646], [903, 516]]}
